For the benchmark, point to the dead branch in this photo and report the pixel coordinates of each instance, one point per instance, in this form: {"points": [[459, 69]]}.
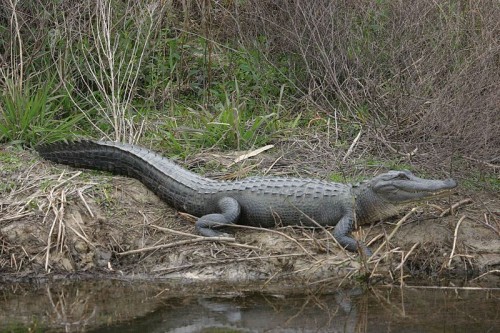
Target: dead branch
{"points": [[455, 206]]}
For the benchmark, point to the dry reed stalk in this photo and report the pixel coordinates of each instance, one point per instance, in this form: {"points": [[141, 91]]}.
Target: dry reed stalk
{"points": [[175, 232], [273, 232], [455, 236], [493, 271], [49, 242], [351, 147], [388, 238], [56, 205], [455, 206], [82, 235], [178, 243], [82, 198]]}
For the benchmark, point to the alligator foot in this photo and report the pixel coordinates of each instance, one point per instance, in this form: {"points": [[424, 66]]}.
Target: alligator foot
{"points": [[229, 213], [342, 235]]}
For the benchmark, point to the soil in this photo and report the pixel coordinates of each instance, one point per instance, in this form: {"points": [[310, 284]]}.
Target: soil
{"points": [[60, 222]]}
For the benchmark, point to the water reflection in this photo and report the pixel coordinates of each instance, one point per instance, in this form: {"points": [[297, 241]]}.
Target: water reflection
{"points": [[108, 306], [251, 313]]}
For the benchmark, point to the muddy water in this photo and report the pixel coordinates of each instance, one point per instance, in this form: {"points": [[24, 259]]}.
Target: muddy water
{"points": [[111, 306]]}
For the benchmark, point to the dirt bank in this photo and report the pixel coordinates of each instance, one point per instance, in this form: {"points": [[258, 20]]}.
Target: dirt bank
{"points": [[60, 221]]}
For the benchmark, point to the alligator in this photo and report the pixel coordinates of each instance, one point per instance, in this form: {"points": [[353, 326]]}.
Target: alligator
{"points": [[255, 201]]}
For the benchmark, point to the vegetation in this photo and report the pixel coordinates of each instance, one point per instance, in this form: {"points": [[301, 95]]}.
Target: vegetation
{"points": [[416, 82]]}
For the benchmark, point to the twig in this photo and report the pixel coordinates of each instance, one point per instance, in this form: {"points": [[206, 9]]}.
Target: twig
{"points": [[264, 230], [455, 234], [394, 150], [175, 232], [398, 225], [441, 209], [324, 230], [486, 223], [377, 261], [406, 257], [81, 236], [79, 226], [80, 194], [272, 165], [351, 147], [244, 246], [271, 231], [76, 174], [491, 165], [15, 217], [488, 272], [180, 233], [446, 287], [183, 242], [455, 206], [251, 154]]}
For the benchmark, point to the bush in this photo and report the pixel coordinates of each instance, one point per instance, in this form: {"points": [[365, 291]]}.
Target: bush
{"points": [[422, 74]]}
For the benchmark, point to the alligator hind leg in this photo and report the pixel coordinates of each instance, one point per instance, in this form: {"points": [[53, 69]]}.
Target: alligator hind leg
{"points": [[342, 234], [229, 213]]}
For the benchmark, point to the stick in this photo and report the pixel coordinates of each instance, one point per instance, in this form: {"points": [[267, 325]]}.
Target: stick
{"points": [[406, 257], [266, 230], [183, 242], [172, 231], [488, 272], [80, 194], [271, 231], [455, 234], [398, 225], [252, 153], [455, 206], [351, 148]]}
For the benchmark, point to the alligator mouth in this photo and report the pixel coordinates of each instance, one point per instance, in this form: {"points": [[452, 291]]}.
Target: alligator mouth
{"points": [[415, 196]]}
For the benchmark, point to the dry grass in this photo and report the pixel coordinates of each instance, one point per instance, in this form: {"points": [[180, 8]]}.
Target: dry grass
{"points": [[422, 77]]}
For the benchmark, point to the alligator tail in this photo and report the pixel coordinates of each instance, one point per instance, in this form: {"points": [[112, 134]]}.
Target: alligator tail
{"points": [[94, 155], [168, 180]]}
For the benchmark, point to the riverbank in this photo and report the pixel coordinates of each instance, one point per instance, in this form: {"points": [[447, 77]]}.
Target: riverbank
{"points": [[60, 222]]}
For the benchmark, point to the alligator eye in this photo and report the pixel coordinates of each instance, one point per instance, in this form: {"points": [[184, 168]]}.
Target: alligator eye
{"points": [[402, 176]]}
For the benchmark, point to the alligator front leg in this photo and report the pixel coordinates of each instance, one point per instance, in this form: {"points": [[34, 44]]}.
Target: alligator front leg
{"points": [[229, 210], [342, 234]]}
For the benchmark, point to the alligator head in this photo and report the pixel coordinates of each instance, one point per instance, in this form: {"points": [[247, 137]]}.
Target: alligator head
{"points": [[388, 193]]}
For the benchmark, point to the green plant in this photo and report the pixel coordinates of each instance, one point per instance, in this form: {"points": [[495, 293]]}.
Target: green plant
{"points": [[31, 113], [108, 59]]}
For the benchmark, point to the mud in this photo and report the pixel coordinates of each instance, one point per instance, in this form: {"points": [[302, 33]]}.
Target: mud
{"points": [[57, 221]]}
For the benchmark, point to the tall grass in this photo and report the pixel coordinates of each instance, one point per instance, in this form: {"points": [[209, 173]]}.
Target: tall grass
{"points": [[32, 114], [107, 58], [31, 109], [121, 64]]}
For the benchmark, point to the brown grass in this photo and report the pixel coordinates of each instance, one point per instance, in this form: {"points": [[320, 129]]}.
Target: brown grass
{"points": [[422, 74]]}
